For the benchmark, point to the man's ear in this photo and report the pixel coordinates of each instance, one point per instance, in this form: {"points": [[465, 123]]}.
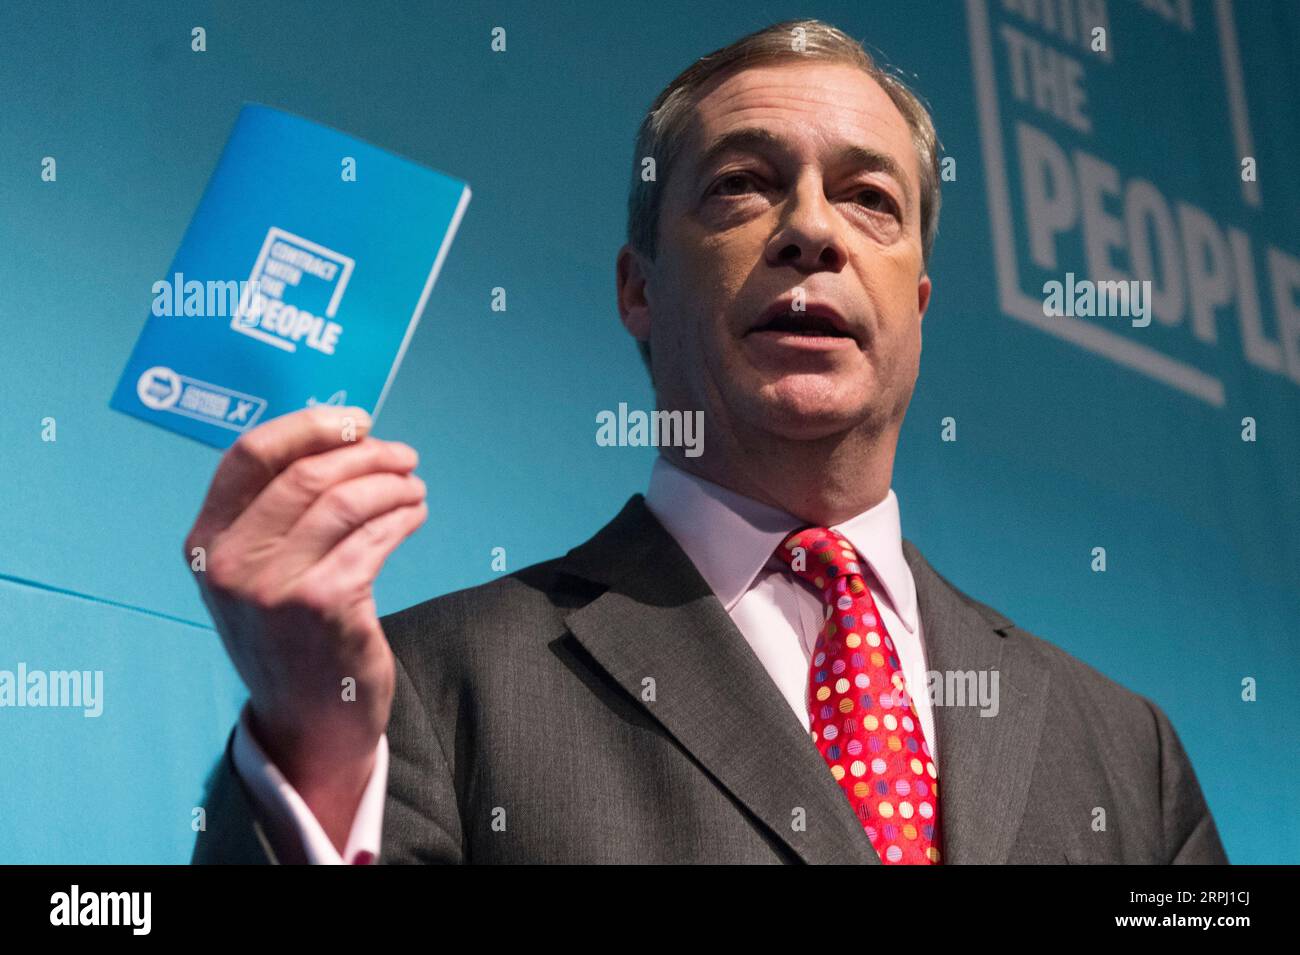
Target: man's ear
{"points": [[922, 296], [633, 302]]}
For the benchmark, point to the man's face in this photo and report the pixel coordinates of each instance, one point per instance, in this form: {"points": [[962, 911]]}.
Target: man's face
{"points": [[795, 177]]}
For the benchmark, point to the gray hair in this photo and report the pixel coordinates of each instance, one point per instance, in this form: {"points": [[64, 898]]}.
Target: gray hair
{"points": [[666, 123]]}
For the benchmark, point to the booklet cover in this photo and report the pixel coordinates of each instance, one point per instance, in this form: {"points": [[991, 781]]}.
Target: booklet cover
{"points": [[299, 281]]}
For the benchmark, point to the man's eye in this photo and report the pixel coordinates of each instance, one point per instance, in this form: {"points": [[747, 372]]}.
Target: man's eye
{"points": [[875, 200], [734, 184]]}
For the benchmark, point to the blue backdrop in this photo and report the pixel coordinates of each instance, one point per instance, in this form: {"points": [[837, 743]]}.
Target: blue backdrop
{"points": [[1072, 433]]}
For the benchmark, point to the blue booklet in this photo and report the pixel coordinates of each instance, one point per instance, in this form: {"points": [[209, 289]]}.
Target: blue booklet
{"points": [[299, 281]]}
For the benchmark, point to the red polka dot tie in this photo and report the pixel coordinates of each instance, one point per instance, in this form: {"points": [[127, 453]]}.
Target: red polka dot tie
{"points": [[861, 715]]}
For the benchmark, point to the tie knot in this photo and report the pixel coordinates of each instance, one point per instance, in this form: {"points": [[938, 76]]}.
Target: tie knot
{"points": [[822, 557]]}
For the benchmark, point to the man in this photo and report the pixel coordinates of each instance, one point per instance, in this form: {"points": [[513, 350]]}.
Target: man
{"points": [[736, 668]]}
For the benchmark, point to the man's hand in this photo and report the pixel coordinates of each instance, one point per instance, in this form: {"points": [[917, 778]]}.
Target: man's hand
{"points": [[300, 516]]}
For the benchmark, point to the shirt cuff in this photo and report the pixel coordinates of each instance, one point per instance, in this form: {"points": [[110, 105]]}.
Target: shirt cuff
{"points": [[287, 817]]}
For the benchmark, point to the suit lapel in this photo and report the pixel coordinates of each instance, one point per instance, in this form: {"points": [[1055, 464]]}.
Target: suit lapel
{"points": [[657, 619], [985, 762]]}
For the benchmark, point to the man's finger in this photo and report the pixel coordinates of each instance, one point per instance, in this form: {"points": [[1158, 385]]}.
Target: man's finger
{"points": [[361, 555], [340, 511], [253, 461], [287, 498]]}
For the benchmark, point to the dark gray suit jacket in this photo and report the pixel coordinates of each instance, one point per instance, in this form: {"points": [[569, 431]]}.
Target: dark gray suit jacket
{"points": [[524, 729]]}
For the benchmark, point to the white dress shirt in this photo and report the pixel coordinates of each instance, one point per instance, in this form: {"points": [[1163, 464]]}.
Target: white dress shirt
{"points": [[731, 540]]}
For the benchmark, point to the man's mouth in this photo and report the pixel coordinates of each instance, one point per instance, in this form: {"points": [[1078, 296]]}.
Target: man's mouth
{"points": [[814, 322], [800, 323]]}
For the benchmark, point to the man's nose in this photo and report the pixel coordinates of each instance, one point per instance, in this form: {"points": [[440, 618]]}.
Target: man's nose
{"points": [[808, 236]]}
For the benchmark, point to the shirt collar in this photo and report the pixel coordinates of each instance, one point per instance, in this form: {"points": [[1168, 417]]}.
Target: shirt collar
{"points": [[730, 537]]}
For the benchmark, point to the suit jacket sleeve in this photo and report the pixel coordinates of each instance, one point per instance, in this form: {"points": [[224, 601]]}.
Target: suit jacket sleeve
{"points": [[422, 822], [232, 834], [421, 817], [1190, 835]]}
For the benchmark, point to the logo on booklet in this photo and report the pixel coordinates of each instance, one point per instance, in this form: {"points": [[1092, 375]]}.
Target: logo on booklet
{"points": [[293, 293], [159, 388], [162, 389]]}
